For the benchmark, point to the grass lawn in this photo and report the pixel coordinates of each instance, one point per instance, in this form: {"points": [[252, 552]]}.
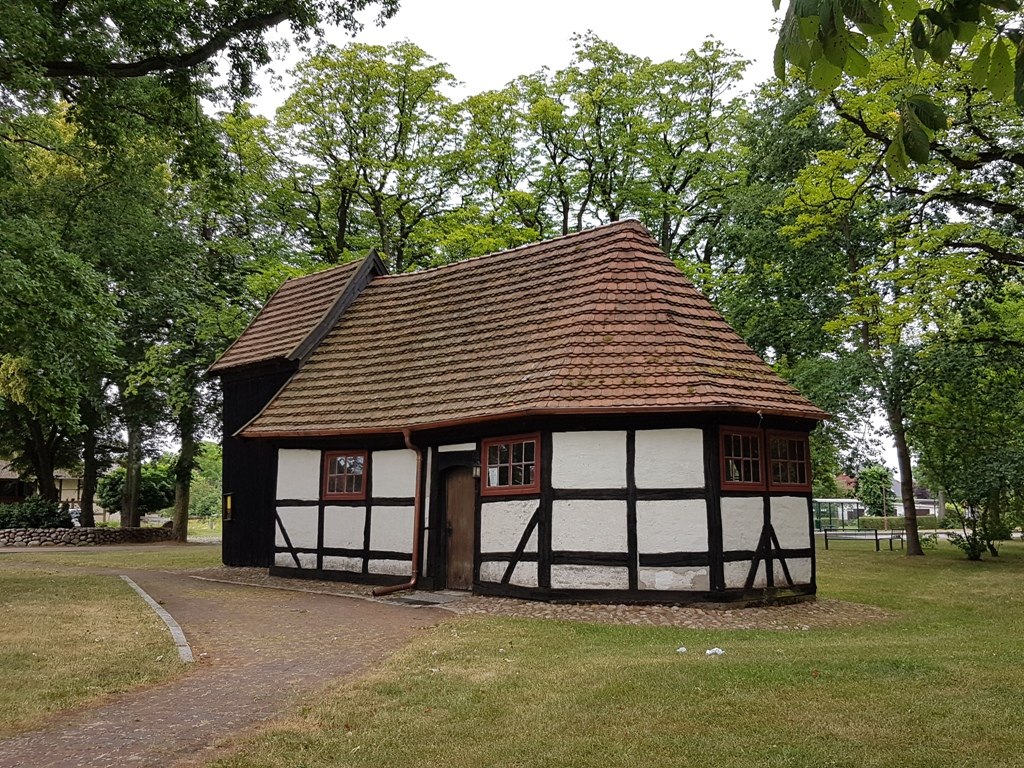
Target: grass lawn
{"points": [[208, 527], [941, 684], [147, 556], [67, 639]]}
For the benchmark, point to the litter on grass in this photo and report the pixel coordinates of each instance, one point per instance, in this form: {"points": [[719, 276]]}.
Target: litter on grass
{"points": [[713, 652], [680, 649]]}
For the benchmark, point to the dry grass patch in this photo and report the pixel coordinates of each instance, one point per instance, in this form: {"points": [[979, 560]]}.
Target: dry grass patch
{"points": [[67, 639], [164, 557], [938, 685]]}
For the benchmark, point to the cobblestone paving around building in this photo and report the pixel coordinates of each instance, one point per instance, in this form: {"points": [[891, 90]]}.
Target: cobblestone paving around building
{"points": [[258, 651], [801, 616]]}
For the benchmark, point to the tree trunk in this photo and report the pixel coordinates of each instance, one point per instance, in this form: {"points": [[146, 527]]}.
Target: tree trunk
{"points": [[132, 478], [90, 473], [183, 473], [899, 433], [40, 450]]}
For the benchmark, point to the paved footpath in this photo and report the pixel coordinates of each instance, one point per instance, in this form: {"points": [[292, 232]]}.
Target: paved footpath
{"points": [[258, 651]]}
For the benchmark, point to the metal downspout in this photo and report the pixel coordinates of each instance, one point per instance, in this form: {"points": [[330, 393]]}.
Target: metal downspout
{"points": [[417, 519]]}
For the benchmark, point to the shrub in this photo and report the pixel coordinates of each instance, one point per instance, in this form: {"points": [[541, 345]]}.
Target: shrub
{"points": [[870, 523], [34, 512]]}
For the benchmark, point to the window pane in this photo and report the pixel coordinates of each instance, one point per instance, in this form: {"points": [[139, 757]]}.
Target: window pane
{"points": [[517, 474], [529, 448], [492, 455], [492, 476], [517, 453], [528, 474], [503, 475], [503, 453]]}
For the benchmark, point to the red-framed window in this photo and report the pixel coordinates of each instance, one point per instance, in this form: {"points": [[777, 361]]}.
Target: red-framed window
{"points": [[789, 461], [742, 467], [510, 465], [344, 475]]}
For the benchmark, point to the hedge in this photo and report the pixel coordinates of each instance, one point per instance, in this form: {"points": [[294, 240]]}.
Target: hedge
{"points": [[869, 523], [34, 512]]}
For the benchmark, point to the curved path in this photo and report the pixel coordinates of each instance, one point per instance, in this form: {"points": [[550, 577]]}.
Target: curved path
{"points": [[257, 651]]}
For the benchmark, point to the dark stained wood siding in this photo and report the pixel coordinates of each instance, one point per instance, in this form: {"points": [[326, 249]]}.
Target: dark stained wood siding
{"points": [[250, 468]]}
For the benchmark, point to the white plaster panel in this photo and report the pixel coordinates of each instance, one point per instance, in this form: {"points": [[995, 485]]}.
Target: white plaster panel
{"points": [[391, 529], [502, 524], [493, 571], [670, 458], [588, 460], [799, 569], [284, 560], [791, 522], [742, 521], [456, 447], [524, 575], [350, 564], [343, 527], [298, 474], [589, 577], [736, 575], [588, 526], [672, 526], [394, 473], [695, 579], [390, 567], [301, 525]]}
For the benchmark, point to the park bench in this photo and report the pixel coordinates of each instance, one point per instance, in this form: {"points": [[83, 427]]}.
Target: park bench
{"points": [[874, 535]]}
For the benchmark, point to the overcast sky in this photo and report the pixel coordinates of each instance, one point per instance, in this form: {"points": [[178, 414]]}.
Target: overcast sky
{"points": [[487, 44]]}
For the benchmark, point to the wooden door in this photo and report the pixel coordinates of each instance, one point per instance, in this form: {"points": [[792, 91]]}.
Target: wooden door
{"points": [[460, 513]]}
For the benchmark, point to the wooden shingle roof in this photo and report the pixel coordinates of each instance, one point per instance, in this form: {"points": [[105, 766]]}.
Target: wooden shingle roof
{"points": [[595, 322], [297, 315]]}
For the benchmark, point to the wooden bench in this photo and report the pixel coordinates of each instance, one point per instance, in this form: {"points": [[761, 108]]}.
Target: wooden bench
{"points": [[875, 535]]}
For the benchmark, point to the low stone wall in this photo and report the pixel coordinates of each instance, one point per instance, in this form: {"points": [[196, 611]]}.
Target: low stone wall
{"points": [[80, 537]]}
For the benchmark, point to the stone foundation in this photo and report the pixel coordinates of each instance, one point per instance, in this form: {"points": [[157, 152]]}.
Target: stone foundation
{"points": [[81, 537]]}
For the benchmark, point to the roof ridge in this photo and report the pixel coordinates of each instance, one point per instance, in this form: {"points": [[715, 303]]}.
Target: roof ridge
{"points": [[625, 224]]}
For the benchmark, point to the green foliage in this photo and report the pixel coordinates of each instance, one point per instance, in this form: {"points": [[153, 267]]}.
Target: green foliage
{"points": [[126, 65], [206, 491], [894, 523], [874, 489], [156, 490], [826, 38], [34, 512]]}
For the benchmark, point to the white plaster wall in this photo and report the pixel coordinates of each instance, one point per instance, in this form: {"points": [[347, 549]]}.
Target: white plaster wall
{"points": [[736, 575], [742, 521], [298, 474], [456, 447], [394, 473], [391, 529], [588, 526], [589, 577], [588, 460], [285, 560], [690, 578], [350, 564], [502, 524], [343, 527], [672, 526], [670, 458], [791, 522], [525, 574], [301, 524], [799, 569], [390, 567]]}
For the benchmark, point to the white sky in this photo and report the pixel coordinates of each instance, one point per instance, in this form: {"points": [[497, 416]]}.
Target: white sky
{"points": [[487, 44]]}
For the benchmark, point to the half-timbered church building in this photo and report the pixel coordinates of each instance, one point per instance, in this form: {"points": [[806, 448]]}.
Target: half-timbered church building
{"points": [[570, 419]]}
